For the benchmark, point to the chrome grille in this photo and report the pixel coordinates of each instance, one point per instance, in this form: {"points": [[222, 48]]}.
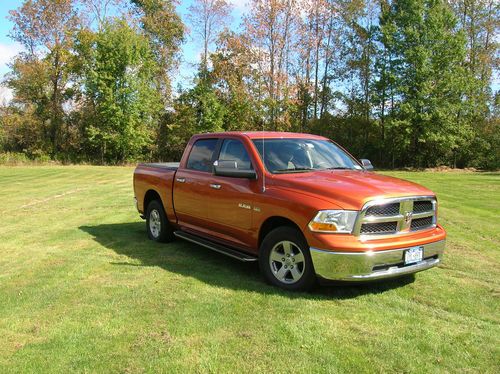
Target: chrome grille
{"points": [[396, 216], [420, 223], [422, 206], [383, 210], [377, 228]]}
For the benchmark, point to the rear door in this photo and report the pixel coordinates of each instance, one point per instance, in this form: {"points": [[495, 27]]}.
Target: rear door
{"points": [[191, 185]]}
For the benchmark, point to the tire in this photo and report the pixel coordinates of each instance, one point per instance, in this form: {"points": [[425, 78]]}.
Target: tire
{"points": [[157, 225], [285, 260]]}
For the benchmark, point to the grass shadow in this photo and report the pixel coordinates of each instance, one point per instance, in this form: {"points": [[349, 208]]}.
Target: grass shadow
{"points": [[191, 260]]}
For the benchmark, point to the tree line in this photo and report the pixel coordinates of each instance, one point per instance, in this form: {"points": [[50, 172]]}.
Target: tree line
{"points": [[402, 82]]}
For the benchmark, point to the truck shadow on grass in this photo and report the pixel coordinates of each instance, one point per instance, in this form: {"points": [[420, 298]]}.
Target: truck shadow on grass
{"points": [[191, 260]]}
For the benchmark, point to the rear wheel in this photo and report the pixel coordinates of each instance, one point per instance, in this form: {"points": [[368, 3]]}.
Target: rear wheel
{"points": [[285, 260], [157, 225]]}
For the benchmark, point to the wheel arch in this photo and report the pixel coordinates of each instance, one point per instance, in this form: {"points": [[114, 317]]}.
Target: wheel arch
{"points": [[151, 195], [274, 222]]}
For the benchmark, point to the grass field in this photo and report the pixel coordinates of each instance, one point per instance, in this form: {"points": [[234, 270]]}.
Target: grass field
{"points": [[82, 289]]}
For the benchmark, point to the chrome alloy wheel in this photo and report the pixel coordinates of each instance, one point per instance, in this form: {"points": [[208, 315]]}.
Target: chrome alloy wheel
{"points": [[155, 223], [287, 262]]}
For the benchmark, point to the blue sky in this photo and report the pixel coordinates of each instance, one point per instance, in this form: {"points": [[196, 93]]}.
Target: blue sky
{"points": [[190, 49], [7, 47]]}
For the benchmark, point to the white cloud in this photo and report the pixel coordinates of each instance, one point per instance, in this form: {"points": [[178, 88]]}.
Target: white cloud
{"points": [[5, 95], [240, 5], [7, 52]]}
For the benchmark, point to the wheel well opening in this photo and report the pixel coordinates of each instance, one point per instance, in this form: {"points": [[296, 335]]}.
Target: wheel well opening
{"points": [[150, 196], [274, 222]]}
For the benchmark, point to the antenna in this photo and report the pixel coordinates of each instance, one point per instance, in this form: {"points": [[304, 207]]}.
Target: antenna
{"points": [[263, 159]]}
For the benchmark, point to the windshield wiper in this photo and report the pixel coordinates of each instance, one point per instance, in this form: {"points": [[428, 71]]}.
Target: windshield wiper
{"points": [[293, 170], [339, 168]]}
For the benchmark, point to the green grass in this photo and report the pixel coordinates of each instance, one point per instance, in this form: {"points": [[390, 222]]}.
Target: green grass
{"points": [[82, 289]]}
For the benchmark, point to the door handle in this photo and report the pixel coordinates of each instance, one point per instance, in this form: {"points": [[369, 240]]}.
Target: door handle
{"points": [[180, 180], [215, 186]]}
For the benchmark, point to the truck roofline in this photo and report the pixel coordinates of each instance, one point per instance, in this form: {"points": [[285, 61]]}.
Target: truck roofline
{"points": [[261, 135]]}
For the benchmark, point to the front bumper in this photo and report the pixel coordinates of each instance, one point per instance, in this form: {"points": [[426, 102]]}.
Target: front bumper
{"points": [[372, 265]]}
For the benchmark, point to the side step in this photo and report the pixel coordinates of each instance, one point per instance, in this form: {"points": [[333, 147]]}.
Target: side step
{"points": [[215, 246]]}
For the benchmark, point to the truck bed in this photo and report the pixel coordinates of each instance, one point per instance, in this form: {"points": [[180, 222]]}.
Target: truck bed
{"points": [[161, 165], [157, 176]]}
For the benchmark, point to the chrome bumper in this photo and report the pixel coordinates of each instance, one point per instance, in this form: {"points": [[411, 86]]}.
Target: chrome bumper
{"points": [[371, 265]]}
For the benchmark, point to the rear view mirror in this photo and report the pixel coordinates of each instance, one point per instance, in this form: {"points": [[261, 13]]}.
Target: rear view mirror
{"points": [[366, 164], [225, 168]]}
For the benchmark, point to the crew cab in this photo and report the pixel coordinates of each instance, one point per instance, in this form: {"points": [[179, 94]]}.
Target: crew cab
{"points": [[299, 204]]}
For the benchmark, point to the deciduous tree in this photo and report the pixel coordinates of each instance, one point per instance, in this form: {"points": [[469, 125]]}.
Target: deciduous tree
{"points": [[165, 31], [123, 107], [430, 90], [207, 18], [44, 28]]}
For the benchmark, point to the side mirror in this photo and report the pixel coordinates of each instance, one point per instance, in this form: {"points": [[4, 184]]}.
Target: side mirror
{"points": [[366, 164], [224, 168]]}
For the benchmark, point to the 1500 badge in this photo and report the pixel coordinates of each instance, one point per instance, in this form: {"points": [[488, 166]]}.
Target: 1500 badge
{"points": [[246, 206]]}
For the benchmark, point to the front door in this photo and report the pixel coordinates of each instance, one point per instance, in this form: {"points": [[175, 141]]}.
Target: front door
{"points": [[230, 202]]}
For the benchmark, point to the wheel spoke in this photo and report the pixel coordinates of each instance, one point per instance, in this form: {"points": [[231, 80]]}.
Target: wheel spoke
{"points": [[296, 274], [281, 273], [299, 257], [275, 256], [287, 248]]}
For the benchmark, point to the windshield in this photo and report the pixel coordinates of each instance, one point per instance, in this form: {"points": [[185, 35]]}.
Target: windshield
{"points": [[301, 155]]}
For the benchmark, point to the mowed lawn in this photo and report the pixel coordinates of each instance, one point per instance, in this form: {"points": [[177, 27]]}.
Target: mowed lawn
{"points": [[82, 289]]}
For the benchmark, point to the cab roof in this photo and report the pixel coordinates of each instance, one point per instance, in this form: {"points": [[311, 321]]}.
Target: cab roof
{"points": [[263, 135]]}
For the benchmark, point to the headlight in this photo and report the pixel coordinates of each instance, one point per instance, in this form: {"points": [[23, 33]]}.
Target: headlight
{"points": [[337, 221]]}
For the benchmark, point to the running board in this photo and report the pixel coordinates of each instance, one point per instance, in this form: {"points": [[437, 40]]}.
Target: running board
{"points": [[215, 246]]}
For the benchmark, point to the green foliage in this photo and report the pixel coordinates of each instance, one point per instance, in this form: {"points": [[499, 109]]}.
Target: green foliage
{"points": [[13, 158], [237, 83], [23, 131], [196, 110], [165, 32], [208, 110], [40, 75], [21, 158], [430, 81], [122, 104]]}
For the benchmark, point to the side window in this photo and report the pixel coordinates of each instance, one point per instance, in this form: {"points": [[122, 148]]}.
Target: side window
{"points": [[201, 154], [234, 150]]}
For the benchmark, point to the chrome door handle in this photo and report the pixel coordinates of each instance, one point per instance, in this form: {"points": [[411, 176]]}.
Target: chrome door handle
{"points": [[215, 186], [180, 180]]}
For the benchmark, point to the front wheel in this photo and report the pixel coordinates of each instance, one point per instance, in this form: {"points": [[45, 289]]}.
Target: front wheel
{"points": [[157, 224], [285, 260]]}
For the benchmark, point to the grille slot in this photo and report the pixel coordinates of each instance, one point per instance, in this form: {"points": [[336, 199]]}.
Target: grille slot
{"points": [[378, 228], [396, 216], [422, 206], [421, 223], [383, 210]]}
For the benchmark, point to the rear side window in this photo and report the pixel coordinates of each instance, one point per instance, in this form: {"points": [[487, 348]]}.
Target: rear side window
{"points": [[234, 150], [201, 154]]}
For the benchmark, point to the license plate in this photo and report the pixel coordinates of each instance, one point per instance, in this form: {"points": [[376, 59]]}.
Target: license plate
{"points": [[415, 254]]}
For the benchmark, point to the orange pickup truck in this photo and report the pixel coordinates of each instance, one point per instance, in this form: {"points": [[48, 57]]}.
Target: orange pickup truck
{"points": [[299, 204]]}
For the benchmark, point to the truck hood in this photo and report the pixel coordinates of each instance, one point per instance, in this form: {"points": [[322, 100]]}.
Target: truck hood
{"points": [[349, 189]]}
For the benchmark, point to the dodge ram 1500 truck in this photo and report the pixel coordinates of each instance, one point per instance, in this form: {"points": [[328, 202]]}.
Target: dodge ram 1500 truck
{"points": [[299, 204]]}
